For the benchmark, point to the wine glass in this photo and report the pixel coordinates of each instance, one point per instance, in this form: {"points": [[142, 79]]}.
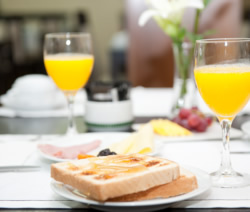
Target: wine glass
{"points": [[69, 60], [222, 75]]}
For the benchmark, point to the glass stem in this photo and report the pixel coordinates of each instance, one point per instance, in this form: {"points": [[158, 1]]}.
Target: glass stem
{"points": [[71, 130], [226, 167]]}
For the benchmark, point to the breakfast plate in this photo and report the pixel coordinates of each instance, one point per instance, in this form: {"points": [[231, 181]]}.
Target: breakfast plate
{"points": [[106, 138], [212, 133], [68, 192]]}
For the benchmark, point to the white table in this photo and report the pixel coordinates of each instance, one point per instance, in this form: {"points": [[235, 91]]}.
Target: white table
{"points": [[32, 189]]}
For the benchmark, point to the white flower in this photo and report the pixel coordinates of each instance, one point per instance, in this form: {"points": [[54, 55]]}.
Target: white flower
{"points": [[171, 10]]}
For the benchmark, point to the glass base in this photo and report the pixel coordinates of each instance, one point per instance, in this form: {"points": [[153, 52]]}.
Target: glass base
{"points": [[71, 131], [232, 180]]}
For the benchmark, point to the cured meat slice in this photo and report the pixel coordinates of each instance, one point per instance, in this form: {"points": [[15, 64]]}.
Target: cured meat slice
{"points": [[68, 152]]}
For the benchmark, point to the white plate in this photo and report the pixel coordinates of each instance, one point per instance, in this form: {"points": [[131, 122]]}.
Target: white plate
{"points": [[107, 138], [68, 192], [213, 133]]}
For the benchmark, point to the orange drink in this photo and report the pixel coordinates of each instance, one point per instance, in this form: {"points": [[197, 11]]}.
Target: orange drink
{"points": [[68, 59], [70, 71], [222, 75], [224, 88]]}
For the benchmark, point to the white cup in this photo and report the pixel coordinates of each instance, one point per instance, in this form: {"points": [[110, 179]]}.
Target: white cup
{"points": [[107, 116]]}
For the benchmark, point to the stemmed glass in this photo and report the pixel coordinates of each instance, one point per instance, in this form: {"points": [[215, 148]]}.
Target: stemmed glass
{"points": [[69, 60], [222, 75]]}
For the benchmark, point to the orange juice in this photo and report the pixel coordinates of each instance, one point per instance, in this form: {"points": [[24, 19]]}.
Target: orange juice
{"points": [[70, 72], [225, 88]]}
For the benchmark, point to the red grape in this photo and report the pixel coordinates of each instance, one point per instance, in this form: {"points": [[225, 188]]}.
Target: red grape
{"points": [[194, 120], [184, 113], [184, 123], [202, 126]]}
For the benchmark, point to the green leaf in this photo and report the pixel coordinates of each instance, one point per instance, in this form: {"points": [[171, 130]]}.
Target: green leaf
{"points": [[193, 37], [182, 33]]}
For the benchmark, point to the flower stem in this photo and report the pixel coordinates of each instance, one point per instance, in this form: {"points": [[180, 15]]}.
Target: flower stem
{"points": [[196, 22], [183, 88]]}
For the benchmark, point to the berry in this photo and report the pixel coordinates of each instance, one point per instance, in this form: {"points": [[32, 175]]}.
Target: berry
{"points": [[194, 120], [184, 113], [184, 123], [202, 126], [105, 152]]}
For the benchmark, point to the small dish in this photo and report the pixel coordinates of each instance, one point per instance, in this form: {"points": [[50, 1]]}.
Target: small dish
{"points": [[212, 133], [107, 139]]}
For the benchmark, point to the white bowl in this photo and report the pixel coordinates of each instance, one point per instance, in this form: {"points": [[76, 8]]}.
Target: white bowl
{"points": [[33, 92], [34, 84], [109, 116]]}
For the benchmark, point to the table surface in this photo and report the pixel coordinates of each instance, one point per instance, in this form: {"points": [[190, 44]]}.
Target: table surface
{"points": [[57, 125]]}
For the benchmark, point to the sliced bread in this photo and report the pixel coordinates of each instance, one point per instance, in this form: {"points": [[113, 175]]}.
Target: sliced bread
{"points": [[103, 178], [187, 182]]}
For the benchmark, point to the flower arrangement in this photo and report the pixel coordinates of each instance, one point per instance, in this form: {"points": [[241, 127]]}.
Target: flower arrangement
{"points": [[168, 14]]}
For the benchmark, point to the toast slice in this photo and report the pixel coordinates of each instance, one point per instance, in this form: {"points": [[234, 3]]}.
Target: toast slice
{"points": [[102, 178], [187, 182]]}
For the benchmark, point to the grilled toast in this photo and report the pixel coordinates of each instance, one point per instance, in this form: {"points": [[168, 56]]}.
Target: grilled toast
{"points": [[187, 182], [103, 178]]}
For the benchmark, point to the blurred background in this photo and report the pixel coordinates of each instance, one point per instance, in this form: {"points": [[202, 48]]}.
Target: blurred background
{"points": [[122, 49]]}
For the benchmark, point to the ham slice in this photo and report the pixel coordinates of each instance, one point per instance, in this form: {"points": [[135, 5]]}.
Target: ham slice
{"points": [[68, 152]]}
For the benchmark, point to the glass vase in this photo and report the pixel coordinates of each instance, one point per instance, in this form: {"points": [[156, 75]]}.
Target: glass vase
{"points": [[184, 87]]}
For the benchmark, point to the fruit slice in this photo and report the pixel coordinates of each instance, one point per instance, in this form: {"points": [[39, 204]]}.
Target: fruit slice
{"points": [[168, 128]]}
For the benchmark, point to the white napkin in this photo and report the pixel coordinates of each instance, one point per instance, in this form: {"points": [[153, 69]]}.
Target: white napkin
{"points": [[36, 95], [15, 152], [33, 92]]}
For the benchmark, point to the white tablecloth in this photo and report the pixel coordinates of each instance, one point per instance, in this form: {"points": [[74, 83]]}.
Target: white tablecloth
{"points": [[32, 189]]}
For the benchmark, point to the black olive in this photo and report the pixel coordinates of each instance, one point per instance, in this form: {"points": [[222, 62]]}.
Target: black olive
{"points": [[105, 152]]}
